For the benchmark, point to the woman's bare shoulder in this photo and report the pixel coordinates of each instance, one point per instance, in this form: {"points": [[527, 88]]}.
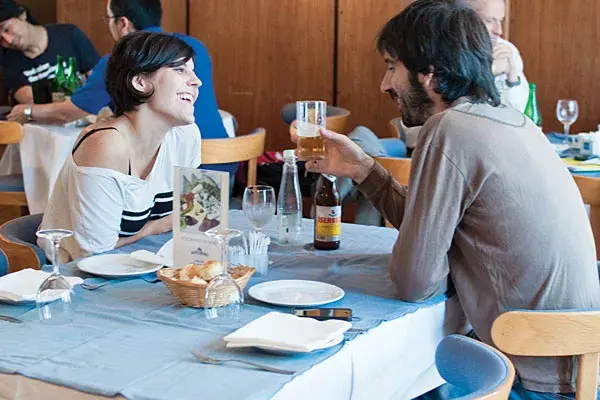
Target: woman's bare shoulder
{"points": [[102, 146]]}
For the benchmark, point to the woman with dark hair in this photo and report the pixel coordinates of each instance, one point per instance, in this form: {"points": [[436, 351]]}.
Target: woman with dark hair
{"points": [[28, 61], [117, 186]]}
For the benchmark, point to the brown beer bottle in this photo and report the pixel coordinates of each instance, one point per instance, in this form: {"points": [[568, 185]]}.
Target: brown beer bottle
{"points": [[328, 214]]}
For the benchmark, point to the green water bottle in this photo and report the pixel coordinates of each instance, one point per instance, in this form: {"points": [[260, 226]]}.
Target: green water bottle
{"points": [[531, 110], [72, 83], [59, 82]]}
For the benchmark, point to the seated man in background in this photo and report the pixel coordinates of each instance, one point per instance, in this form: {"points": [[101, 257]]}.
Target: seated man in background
{"points": [[505, 223], [124, 17], [508, 64], [28, 60]]}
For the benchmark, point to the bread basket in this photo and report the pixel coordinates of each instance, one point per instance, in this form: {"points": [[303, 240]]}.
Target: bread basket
{"points": [[192, 294]]}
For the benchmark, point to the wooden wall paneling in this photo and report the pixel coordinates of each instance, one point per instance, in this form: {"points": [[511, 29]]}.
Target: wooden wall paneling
{"points": [[265, 54], [558, 40], [174, 17], [360, 66], [88, 16], [44, 11]]}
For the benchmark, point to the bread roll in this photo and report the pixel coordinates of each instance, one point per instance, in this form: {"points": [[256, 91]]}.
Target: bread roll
{"points": [[209, 270]]}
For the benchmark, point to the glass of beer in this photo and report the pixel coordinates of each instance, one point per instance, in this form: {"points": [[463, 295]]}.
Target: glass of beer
{"points": [[311, 117]]}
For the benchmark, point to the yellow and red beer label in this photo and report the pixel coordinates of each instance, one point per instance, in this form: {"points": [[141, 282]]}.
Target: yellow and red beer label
{"points": [[328, 223]]}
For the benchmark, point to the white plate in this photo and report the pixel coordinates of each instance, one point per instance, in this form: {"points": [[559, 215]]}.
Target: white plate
{"points": [[285, 350], [116, 266], [296, 293]]}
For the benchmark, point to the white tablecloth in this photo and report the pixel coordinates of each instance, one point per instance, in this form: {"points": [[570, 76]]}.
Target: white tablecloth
{"points": [[41, 154]]}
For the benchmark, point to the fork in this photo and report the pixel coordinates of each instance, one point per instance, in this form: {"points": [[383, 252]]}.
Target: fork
{"points": [[94, 286], [215, 361]]}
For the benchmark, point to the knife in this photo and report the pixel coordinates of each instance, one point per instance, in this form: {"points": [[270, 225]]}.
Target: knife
{"points": [[10, 319]]}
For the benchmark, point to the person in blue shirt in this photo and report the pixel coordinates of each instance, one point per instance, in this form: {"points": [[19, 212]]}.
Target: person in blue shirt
{"points": [[124, 17]]}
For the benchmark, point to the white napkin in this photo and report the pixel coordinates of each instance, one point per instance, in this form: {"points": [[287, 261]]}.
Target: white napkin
{"points": [[150, 257], [24, 284], [288, 332]]}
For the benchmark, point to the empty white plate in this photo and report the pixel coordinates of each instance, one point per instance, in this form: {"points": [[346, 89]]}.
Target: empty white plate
{"points": [[116, 266], [296, 293]]}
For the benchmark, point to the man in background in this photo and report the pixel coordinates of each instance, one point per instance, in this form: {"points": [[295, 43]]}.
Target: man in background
{"points": [[28, 60], [508, 64], [124, 17]]}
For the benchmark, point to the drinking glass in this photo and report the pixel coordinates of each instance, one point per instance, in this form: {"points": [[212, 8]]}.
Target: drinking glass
{"points": [[55, 295], [567, 112], [259, 205], [223, 298], [311, 117]]}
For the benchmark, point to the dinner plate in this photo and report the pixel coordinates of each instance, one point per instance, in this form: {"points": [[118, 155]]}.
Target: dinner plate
{"points": [[296, 293], [283, 350], [116, 266]]}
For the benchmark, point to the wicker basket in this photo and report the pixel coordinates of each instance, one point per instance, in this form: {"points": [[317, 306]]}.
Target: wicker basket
{"points": [[192, 294]]}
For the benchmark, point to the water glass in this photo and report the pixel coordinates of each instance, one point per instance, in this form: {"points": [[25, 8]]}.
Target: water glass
{"points": [[259, 205], [567, 112]]}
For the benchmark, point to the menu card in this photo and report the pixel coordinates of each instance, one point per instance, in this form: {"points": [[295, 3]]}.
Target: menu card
{"points": [[201, 202]]}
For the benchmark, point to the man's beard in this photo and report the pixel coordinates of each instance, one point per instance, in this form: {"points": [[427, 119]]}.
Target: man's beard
{"points": [[415, 104]]}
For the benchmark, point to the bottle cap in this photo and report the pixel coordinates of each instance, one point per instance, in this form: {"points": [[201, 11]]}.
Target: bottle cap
{"points": [[289, 154]]}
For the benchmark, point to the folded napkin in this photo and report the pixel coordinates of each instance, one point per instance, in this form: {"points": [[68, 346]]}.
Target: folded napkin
{"points": [[23, 285], [288, 332]]}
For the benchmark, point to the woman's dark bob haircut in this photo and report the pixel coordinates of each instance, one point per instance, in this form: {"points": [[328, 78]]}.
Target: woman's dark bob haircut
{"points": [[141, 53], [447, 39]]}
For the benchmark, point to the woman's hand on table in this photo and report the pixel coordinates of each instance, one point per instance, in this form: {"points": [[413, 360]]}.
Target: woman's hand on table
{"points": [[343, 157], [154, 227]]}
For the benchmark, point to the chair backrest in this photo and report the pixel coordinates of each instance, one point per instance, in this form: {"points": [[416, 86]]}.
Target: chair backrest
{"points": [[240, 148], [540, 333], [337, 117], [477, 370], [400, 170], [590, 192], [394, 128], [18, 240], [10, 133]]}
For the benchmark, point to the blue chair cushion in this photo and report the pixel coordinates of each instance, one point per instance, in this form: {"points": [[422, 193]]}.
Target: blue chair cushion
{"points": [[394, 147], [3, 263], [11, 183], [469, 367]]}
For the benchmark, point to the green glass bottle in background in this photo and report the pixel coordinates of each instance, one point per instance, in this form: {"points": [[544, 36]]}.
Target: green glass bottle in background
{"points": [[60, 81], [72, 83], [531, 110]]}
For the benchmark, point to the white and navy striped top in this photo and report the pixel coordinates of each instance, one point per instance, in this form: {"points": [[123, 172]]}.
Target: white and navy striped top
{"points": [[100, 205]]}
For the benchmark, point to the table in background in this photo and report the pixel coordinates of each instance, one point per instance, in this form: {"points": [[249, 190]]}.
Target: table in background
{"points": [[42, 153], [393, 358]]}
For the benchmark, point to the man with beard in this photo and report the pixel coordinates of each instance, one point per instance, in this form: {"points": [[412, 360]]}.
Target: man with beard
{"points": [[490, 205]]}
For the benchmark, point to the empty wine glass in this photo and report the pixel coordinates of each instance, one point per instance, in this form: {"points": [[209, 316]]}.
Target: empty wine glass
{"points": [[259, 205], [223, 298], [567, 112], [55, 295]]}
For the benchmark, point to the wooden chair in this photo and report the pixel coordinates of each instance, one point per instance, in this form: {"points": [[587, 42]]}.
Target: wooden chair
{"points": [[18, 241], [12, 192], [473, 369], [400, 170], [240, 148], [590, 192], [543, 333]]}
